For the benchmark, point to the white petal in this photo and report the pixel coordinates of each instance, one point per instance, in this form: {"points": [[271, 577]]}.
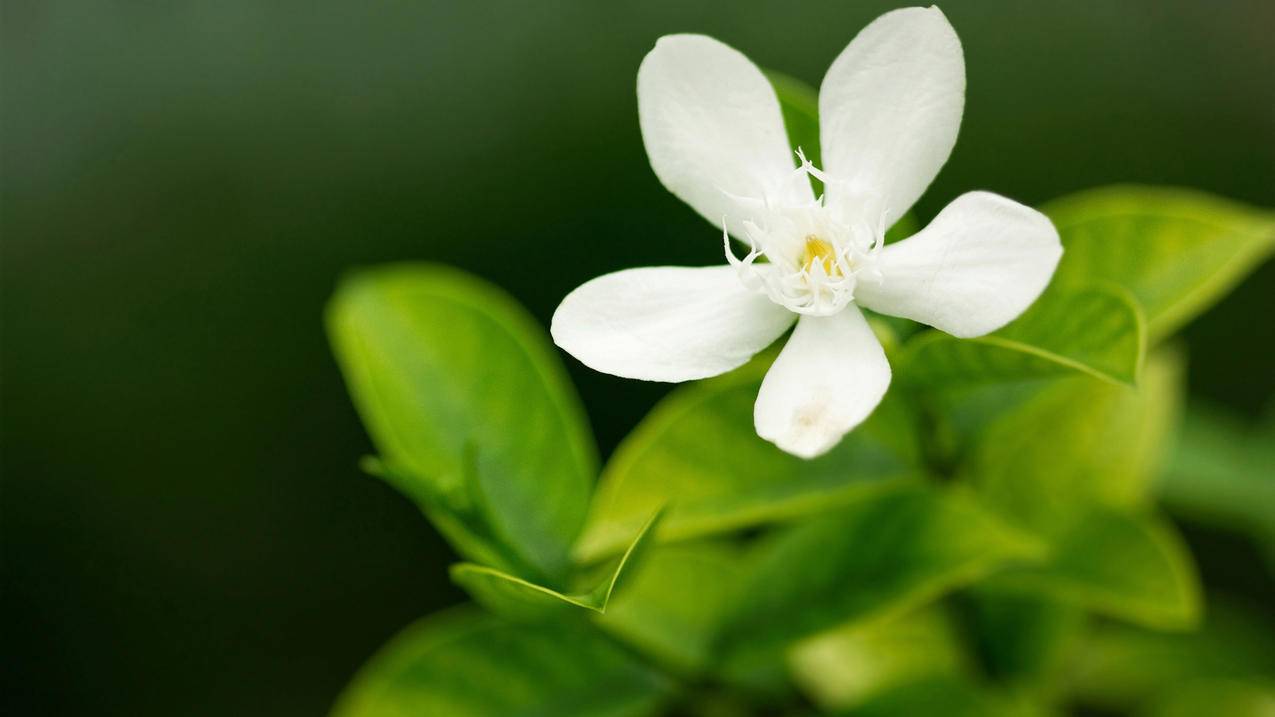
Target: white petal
{"points": [[667, 323], [889, 110], [981, 262], [828, 378], [712, 128]]}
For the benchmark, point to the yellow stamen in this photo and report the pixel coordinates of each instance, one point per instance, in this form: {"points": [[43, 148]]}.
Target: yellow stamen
{"points": [[821, 251]]}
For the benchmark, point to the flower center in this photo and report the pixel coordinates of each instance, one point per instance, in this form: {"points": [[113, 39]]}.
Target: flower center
{"points": [[815, 257], [821, 252]]}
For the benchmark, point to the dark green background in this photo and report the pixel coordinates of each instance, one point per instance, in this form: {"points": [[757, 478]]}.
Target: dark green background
{"points": [[184, 528]]}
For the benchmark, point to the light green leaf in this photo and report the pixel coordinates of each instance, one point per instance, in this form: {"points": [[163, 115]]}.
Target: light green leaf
{"points": [[1132, 567], [671, 607], [1232, 698], [1096, 330], [698, 453], [468, 406], [1177, 250], [1052, 448], [1119, 666], [884, 554], [520, 599], [1222, 473], [846, 666], [464, 664]]}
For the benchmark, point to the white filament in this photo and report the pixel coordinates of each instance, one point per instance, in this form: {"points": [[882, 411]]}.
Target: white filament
{"points": [[817, 286]]}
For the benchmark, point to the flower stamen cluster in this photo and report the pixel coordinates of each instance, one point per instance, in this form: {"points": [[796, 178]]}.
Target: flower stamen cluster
{"points": [[801, 254]]}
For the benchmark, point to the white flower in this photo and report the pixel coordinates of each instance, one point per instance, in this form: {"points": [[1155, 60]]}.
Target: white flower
{"points": [[889, 109]]}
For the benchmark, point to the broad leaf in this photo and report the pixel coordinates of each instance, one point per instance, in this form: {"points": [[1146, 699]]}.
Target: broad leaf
{"points": [[671, 607], [464, 664], [1043, 451], [1233, 698], [516, 598], [1222, 473], [1024, 639], [463, 397], [846, 666], [462, 522], [1133, 567], [1178, 251], [1097, 330], [884, 554], [1119, 667], [944, 695], [698, 453]]}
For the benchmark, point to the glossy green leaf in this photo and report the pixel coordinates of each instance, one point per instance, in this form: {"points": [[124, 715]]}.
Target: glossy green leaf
{"points": [[881, 555], [698, 453], [517, 598], [462, 522], [464, 664], [1177, 250], [1119, 667], [672, 606], [1096, 330], [1222, 473], [468, 405], [1056, 447], [1132, 567], [846, 666]]}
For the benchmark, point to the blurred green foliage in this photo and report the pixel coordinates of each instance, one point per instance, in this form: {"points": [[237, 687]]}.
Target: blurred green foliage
{"points": [[183, 526]]}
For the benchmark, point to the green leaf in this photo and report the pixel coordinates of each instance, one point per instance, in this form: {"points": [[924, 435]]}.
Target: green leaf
{"points": [[884, 554], [1024, 639], [1119, 667], [1132, 567], [1071, 460], [1096, 330], [462, 523], [671, 607], [516, 598], [1222, 473], [464, 664], [846, 666], [1041, 452], [698, 453], [1177, 250], [1232, 698], [943, 695], [468, 405]]}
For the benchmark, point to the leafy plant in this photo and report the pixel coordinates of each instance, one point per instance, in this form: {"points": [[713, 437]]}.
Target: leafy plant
{"points": [[991, 541]]}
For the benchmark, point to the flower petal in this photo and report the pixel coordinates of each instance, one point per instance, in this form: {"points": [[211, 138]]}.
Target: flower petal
{"points": [[667, 323], [828, 378], [712, 128], [889, 109], [981, 262]]}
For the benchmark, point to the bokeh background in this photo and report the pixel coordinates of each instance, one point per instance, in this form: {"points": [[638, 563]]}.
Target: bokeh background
{"points": [[184, 527]]}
